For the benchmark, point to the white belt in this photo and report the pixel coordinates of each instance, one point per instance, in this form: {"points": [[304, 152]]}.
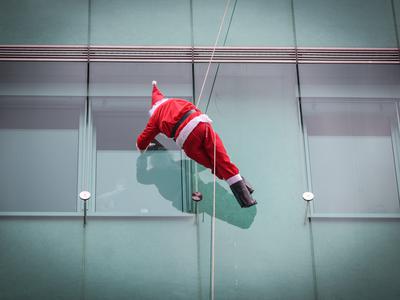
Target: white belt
{"points": [[183, 135]]}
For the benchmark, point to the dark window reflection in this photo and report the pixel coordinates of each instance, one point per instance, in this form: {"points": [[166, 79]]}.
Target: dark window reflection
{"points": [[40, 108], [353, 154], [39, 140]]}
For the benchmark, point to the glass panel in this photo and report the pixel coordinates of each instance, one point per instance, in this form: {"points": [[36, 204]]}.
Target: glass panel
{"points": [[352, 155], [356, 259], [149, 258], [396, 11], [127, 181], [349, 113], [44, 22], [254, 110], [39, 136], [351, 118], [159, 257], [344, 23], [127, 22], [250, 23], [350, 81], [27, 245]]}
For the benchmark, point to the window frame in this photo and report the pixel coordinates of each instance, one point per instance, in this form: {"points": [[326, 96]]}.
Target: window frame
{"points": [[395, 137]]}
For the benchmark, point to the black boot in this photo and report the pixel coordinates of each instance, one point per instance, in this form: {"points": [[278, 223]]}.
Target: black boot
{"points": [[248, 185], [242, 194]]}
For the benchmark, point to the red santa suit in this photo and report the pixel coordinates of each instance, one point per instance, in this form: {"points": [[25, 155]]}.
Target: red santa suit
{"points": [[192, 131]]}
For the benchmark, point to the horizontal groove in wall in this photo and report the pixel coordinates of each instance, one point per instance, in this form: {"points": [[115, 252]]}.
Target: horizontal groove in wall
{"points": [[82, 53]]}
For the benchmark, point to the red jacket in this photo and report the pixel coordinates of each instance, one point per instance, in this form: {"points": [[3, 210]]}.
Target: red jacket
{"points": [[164, 119]]}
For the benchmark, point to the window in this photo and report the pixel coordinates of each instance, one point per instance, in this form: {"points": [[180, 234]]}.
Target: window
{"points": [[50, 150], [40, 109], [351, 126], [127, 182], [352, 152]]}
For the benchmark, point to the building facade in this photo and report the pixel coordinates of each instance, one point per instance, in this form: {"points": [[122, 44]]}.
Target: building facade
{"points": [[305, 95]]}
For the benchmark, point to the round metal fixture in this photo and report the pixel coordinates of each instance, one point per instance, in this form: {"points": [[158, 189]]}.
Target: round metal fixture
{"points": [[84, 195], [308, 196]]}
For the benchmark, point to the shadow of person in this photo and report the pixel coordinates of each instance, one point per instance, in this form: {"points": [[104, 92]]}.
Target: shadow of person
{"points": [[159, 168], [226, 206]]}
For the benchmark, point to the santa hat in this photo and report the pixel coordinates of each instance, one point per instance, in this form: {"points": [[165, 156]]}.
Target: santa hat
{"points": [[156, 95]]}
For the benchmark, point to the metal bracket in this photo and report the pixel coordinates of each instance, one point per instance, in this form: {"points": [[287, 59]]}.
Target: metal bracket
{"points": [[85, 196], [308, 197]]}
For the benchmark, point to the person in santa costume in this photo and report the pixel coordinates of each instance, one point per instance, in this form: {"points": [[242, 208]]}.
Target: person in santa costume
{"points": [[192, 131]]}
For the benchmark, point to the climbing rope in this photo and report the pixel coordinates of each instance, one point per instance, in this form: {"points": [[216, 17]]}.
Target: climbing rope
{"points": [[213, 53], [212, 271], [213, 223]]}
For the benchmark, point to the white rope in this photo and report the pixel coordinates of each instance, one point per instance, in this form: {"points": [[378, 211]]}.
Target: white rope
{"points": [[213, 223], [212, 54], [212, 290]]}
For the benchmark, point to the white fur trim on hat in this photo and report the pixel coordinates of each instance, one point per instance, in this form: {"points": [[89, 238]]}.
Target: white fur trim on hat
{"points": [[157, 105], [154, 82]]}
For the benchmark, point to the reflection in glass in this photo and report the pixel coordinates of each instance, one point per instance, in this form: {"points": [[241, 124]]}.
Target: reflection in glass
{"points": [[137, 22], [227, 209], [39, 153], [355, 23], [351, 124], [40, 109], [353, 154], [126, 180], [44, 22]]}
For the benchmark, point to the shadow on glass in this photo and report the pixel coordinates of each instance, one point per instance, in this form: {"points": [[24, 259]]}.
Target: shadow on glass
{"points": [[158, 167]]}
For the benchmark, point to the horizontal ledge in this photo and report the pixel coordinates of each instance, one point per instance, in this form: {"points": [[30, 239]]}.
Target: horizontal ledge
{"points": [[116, 215], [90, 215], [41, 59], [188, 47], [109, 53], [293, 61], [373, 216]]}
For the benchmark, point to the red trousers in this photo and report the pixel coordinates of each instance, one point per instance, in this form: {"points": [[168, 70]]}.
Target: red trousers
{"points": [[199, 146]]}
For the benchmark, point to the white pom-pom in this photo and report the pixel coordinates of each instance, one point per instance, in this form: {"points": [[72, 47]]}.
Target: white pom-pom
{"points": [[154, 82]]}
